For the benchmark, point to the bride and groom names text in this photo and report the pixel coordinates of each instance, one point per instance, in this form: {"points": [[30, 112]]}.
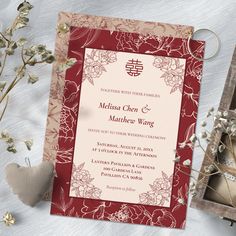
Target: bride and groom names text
{"points": [[127, 108]]}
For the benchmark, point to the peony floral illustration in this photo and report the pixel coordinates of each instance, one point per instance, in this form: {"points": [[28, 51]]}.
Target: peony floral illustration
{"points": [[173, 72], [160, 191], [122, 215], [81, 185], [95, 62], [132, 214]]}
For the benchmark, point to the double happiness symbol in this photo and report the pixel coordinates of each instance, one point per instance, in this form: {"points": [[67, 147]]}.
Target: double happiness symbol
{"points": [[134, 67]]}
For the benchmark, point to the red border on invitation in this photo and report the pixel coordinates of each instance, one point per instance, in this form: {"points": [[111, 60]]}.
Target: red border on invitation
{"points": [[62, 204]]}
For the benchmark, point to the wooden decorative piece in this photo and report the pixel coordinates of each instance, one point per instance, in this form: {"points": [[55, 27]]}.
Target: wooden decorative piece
{"points": [[205, 198]]}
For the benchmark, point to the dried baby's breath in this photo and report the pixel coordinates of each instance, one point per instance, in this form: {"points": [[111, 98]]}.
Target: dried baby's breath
{"points": [[33, 79], [2, 85], [24, 8], [203, 134], [192, 188], [50, 59], [8, 219], [11, 148], [5, 134], [21, 42], [232, 129], [63, 28], [213, 149], [210, 112], [2, 43], [29, 144], [225, 113], [221, 148], [209, 169], [193, 138], [227, 128]]}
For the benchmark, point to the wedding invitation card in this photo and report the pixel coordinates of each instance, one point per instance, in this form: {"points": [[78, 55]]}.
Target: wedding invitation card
{"points": [[128, 108], [126, 136]]}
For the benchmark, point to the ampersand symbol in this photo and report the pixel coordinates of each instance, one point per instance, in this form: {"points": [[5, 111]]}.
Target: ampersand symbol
{"points": [[145, 109]]}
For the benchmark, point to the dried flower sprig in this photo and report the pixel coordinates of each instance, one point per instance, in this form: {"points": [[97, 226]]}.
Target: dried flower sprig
{"points": [[11, 141], [8, 219], [30, 56], [226, 126]]}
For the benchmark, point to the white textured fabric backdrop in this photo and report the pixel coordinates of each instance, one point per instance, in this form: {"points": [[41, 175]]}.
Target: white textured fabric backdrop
{"points": [[27, 112]]}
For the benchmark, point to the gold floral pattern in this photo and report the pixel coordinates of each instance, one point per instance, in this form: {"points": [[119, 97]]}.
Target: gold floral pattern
{"points": [[81, 183], [160, 191], [173, 72], [95, 62]]}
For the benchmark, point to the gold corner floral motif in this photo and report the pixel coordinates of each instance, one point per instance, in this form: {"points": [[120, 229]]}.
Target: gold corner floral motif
{"points": [[95, 62], [81, 183], [160, 191], [173, 72]]}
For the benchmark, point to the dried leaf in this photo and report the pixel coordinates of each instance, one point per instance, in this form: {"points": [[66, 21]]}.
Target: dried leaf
{"points": [[2, 85], [2, 43], [29, 144], [21, 23], [10, 51], [24, 5], [33, 79], [41, 49], [50, 59], [11, 149], [21, 42], [63, 28]]}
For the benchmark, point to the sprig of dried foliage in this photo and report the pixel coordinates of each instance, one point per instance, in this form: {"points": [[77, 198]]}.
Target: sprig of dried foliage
{"points": [[30, 56], [218, 157]]}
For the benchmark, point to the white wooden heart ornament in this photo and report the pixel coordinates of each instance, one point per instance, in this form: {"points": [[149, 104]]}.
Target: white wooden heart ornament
{"points": [[30, 183]]}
